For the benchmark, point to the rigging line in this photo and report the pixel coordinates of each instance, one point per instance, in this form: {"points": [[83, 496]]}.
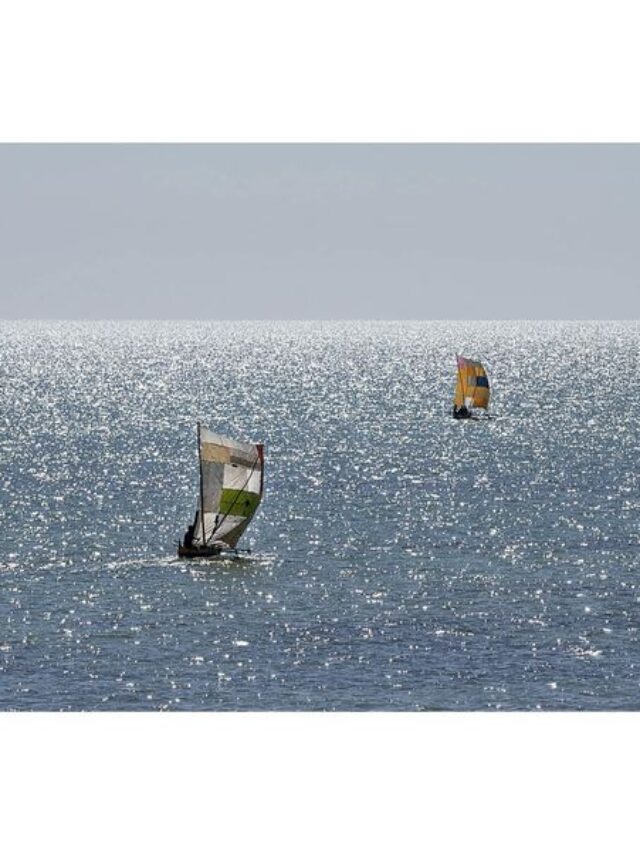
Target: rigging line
{"points": [[233, 503]]}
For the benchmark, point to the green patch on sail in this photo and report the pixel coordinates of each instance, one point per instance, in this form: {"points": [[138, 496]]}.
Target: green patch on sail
{"points": [[238, 502]]}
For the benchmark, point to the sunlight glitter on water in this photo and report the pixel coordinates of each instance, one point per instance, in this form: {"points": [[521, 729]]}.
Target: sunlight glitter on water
{"points": [[400, 559]]}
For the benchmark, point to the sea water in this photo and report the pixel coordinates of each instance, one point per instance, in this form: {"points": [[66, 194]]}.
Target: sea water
{"points": [[400, 560]]}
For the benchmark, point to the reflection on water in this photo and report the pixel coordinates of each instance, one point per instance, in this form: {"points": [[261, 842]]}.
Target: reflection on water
{"points": [[400, 560]]}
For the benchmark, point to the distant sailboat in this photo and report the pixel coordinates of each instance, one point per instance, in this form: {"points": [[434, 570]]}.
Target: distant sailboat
{"points": [[472, 388], [231, 485]]}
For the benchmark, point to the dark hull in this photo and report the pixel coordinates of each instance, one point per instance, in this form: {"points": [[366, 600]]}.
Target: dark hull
{"points": [[465, 414], [461, 414], [208, 551]]}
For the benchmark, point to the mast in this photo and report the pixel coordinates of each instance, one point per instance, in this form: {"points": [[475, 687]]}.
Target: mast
{"points": [[201, 485], [461, 380]]}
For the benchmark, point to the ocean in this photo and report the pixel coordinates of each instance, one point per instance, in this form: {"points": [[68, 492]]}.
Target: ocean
{"points": [[400, 560]]}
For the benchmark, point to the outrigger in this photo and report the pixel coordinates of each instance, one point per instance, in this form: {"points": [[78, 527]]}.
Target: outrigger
{"points": [[231, 487]]}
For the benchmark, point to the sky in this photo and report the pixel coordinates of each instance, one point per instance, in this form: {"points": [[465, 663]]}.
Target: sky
{"points": [[279, 232]]}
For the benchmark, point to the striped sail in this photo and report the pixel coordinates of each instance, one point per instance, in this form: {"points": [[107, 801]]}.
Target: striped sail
{"points": [[472, 387], [231, 489]]}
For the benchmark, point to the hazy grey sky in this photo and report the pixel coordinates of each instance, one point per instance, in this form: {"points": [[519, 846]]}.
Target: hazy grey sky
{"points": [[320, 231]]}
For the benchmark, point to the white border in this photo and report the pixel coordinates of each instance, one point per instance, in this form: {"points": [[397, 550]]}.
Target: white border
{"points": [[337, 70], [317, 782]]}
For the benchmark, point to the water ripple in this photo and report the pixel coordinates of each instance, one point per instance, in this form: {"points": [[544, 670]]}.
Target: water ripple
{"points": [[401, 560]]}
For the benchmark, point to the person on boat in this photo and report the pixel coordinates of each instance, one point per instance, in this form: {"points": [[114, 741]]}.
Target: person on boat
{"points": [[188, 537], [461, 412]]}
